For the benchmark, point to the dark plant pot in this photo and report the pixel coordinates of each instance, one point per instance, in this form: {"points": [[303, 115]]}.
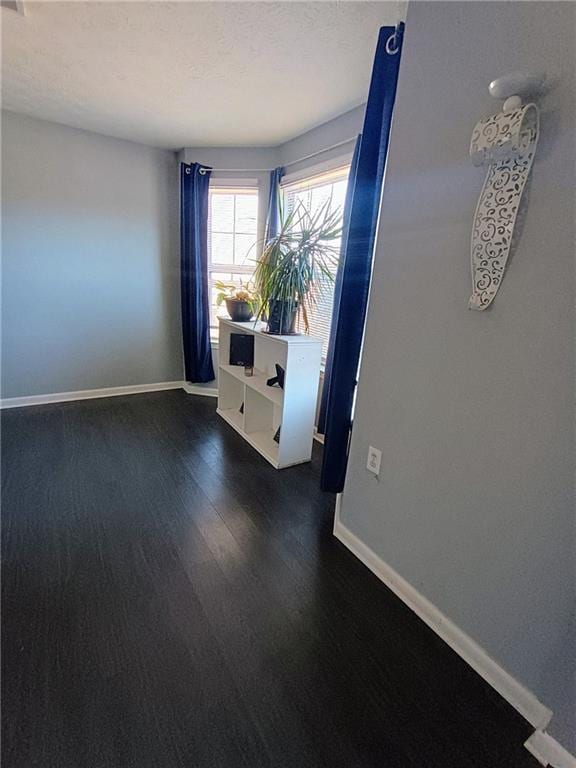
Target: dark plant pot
{"points": [[282, 317], [239, 311]]}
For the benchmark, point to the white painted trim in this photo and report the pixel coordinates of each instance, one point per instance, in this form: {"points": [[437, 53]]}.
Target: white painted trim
{"points": [[325, 166], [318, 436], [91, 394], [337, 523], [20, 7], [548, 751], [195, 389], [510, 689], [88, 394], [229, 182]]}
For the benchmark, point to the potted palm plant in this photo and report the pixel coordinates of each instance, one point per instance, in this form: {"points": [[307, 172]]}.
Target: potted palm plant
{"points": [[297, 266]]}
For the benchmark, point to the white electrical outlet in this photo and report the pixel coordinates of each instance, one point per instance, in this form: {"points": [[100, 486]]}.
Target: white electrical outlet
{"points": [[374, 458]]}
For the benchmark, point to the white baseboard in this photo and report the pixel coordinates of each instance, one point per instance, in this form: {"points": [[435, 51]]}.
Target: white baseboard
{"points": [[319, 437], [88, 394], [337, 508], [196, 389], [548, 751], [536, 713]]}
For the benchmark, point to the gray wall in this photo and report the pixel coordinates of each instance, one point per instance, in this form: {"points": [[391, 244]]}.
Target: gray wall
{"points": [[90, 261], [321, 139], [474, 411], [257, 162]]}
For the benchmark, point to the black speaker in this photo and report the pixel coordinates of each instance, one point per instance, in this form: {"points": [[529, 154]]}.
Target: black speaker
{"points": [[241, 349]]}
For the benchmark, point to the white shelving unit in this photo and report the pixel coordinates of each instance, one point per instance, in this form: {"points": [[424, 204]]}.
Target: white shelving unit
{"points": [[267, 408]]}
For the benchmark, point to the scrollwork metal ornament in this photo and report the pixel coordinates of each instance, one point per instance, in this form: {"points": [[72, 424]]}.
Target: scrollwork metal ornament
{"points": [[506, 142]]}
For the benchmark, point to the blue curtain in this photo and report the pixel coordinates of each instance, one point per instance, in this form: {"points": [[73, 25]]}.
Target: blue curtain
{"points": [[354, 279], [273, 215], [194, 185], [321, 426]]}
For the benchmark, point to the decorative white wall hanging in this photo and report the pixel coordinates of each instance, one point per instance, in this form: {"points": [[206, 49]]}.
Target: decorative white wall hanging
{"points": [[506, 143]]}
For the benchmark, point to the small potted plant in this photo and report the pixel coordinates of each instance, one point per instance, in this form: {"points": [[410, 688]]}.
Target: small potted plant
{"points": [[297, 266], [240, 300]]}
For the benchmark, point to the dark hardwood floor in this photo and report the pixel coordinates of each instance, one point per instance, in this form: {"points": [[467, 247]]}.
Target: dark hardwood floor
{"points": [[170, 600]]}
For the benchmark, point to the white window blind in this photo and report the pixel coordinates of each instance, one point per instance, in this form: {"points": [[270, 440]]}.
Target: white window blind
{"points": [[313, 194], [232, 235]]}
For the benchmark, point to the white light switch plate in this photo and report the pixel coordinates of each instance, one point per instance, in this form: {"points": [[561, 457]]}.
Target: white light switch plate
{"points": [[374, 458]]}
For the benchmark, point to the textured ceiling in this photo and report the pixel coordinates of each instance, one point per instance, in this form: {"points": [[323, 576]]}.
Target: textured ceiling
{"points": [[190, 73]]}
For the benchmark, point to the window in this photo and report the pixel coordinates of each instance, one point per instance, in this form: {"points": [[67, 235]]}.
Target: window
{"points": [[232, 235], [313, 194]]}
